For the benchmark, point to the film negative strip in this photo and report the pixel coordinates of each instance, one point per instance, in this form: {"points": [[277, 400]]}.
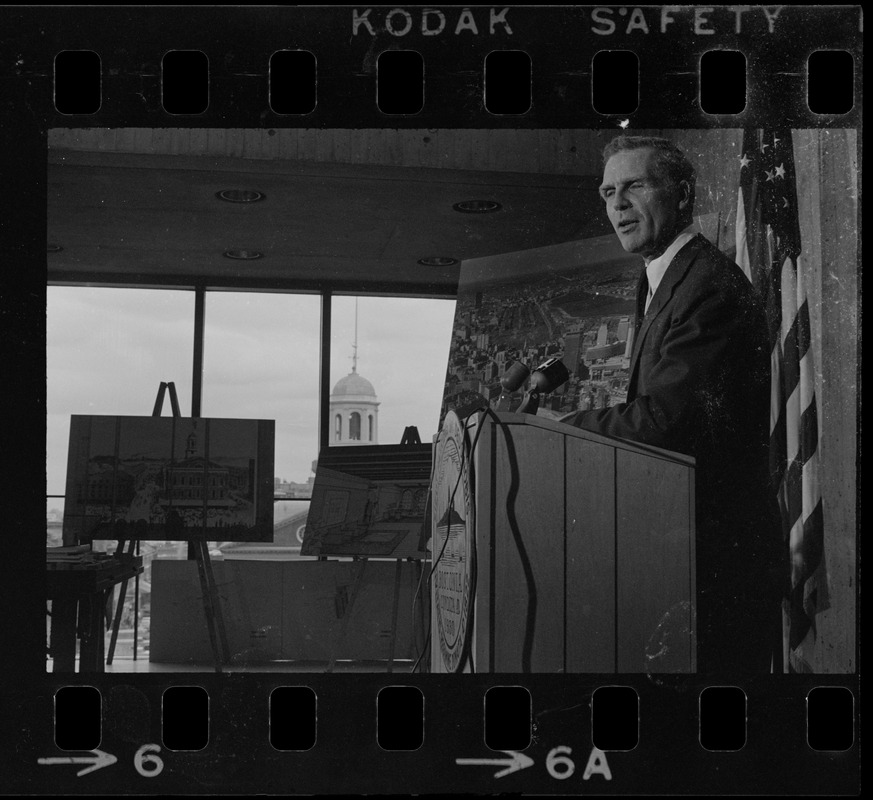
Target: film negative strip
{"points": [[450, 153]]}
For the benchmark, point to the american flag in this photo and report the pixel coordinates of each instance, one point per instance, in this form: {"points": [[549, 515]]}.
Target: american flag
{"points": [[769, 252]]}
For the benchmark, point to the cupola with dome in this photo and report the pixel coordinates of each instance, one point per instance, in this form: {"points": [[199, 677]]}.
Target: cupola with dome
{"points": [[354, 406], [353, 385]]}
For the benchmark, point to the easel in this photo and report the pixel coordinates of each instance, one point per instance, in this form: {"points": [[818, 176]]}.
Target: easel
{"points": [[410, 436], [347, 613], [200, 550]]}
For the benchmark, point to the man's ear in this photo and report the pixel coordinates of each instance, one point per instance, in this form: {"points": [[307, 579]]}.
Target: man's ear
{"points": [[684, 195]]}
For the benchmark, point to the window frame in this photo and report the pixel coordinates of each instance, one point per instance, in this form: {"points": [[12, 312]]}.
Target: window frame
{"points": [[200, 290]]}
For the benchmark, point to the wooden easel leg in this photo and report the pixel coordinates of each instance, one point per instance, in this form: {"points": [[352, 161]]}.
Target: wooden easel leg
{"points": [[200, 552], [216, 603], [159, 400], [91, 612], [347, 616], [122, 596], [214, 618], [64, 634], [208, 608], [136, 610], [398, 571], [116, 622], [424, 609]]}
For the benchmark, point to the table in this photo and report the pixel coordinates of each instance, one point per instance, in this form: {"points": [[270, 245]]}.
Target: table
{"points": [[78, 594]]}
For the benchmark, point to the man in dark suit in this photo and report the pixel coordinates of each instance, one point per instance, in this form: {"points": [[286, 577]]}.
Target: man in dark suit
{"points": [[700, 385]]}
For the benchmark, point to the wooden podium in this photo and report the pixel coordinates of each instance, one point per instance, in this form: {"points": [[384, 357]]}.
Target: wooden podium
{"points": [[559, 550]]}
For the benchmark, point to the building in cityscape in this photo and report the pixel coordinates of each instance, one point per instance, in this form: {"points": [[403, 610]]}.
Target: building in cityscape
{"points": [[572, 342], [354, 411]]}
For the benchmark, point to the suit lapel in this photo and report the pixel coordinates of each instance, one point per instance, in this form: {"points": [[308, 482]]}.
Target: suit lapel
{"points": [[672, 277]]}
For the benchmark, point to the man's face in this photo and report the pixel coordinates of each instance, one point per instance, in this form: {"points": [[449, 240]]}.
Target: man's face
{"points": [[644, 207]]}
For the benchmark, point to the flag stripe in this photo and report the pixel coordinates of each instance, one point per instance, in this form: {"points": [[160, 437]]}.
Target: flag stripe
{"points": [[813, 539], [793, 484], [775, 387], [807, 382], [742, 240], [773, 291], [778, 447], [791, 364], [804, 598], [808, 434], [804, 335]]}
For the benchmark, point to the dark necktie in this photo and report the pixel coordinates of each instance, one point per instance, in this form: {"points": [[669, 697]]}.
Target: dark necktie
{"points": [[642, 294]]}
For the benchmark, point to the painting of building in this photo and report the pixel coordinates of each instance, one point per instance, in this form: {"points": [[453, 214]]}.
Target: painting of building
{"points": [[169, 478], [369, 501]]}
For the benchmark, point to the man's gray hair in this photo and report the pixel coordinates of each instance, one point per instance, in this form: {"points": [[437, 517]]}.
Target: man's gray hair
{"points": [[672, 163]]}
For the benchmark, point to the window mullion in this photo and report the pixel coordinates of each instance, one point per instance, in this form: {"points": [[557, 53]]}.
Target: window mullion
{"points": [[324, 372], [199, 331]]}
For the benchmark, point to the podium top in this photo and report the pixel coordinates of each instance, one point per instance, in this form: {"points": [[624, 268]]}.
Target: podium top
{"points": [[545, 423]]}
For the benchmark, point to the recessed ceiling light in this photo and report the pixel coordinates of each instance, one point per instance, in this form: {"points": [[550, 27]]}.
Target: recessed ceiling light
{"points": [[240, 195], [476, 206], [438, 261], [53, 248], [243, 255]]}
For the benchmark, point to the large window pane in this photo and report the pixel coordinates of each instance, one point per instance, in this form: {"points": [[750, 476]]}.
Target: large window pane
{"points": [[400, 348], [108, 350], [261, 357]]}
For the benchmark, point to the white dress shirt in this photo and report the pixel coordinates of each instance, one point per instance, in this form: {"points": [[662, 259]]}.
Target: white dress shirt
{"points": [[656, 268]]}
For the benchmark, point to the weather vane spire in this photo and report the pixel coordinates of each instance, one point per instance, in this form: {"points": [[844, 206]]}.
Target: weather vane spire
{"points": [[355, 345]]}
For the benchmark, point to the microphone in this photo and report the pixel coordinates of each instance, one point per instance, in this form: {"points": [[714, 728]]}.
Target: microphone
{"points": [[547, 377], [514, 377], [511, 381]]}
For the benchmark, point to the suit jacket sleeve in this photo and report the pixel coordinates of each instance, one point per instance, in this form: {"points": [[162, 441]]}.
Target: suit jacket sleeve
{"points": [[687, 366]]}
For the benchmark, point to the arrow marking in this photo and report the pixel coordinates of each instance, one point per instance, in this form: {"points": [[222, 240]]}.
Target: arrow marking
{"points": [[517, 762], [98, 760]]}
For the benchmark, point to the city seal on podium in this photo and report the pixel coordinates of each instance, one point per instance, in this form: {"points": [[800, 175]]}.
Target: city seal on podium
{"points": [[452, 547]]}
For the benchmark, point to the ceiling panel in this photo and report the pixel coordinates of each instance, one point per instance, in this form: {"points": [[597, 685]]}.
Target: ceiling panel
{"points": [[146, 219]]}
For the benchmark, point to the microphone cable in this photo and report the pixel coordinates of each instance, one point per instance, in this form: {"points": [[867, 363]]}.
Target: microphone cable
{"points": [[530, 625], [512, 494]]}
